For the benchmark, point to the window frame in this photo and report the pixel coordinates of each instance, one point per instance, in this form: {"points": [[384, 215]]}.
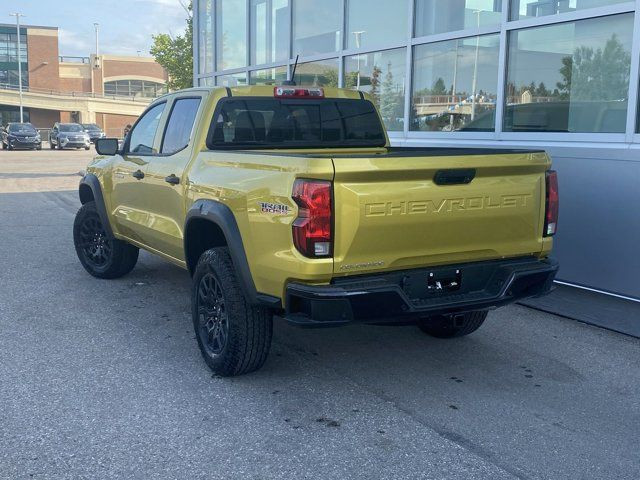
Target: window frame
{"points": [[127, 144], [174, 101], [632, 131]]}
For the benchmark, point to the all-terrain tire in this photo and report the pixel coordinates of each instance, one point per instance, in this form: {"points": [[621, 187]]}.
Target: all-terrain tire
{"points": [[217, 303], [101, 255], [444, 327]]}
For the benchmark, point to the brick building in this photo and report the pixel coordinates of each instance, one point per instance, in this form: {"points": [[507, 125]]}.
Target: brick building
{"points": [[45, 71]]}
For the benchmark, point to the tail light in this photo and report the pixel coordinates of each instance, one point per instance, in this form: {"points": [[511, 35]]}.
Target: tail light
{"points": [[552, 204], [294, 92], [312, 230]]}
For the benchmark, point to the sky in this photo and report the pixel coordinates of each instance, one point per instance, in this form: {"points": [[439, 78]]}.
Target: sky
{"points": [[126, 26]]}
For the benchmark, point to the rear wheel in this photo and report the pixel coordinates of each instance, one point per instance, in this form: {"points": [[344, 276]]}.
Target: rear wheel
{"points": [[234, 336], [445, 326], [99, 254], [51, 145]]}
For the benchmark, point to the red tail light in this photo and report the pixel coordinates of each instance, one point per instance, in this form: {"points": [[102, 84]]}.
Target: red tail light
{"points": [[552, 205], [312, 230]]}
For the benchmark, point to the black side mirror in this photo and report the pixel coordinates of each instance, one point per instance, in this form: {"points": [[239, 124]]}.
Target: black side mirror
{"points": [[107, 146]]}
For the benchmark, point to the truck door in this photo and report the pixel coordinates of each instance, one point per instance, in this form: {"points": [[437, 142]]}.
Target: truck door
{"points": [[165, 181], [129, 171]]}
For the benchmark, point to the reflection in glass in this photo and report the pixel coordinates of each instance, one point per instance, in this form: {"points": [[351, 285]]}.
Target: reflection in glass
{"points": [[232, 80], [323, 73], [231, 34], [268, 76], [438, 16], [269, 31], [521, 9], [381, 75], [455, 84], [570, 77], [366, 19], [205, 41], [316, 26]]}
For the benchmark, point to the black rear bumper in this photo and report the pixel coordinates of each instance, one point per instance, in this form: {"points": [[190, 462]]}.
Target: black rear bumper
{"points": [[409, 294]]}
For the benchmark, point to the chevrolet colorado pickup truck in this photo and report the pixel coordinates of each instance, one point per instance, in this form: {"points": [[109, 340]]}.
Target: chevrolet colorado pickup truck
{"points": [[289, 203]]}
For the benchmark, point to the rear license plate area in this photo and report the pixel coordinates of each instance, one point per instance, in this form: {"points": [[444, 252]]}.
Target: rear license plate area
{"points": [[443, 281]]}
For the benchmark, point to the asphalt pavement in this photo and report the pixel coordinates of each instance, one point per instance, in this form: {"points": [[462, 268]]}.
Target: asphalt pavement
{"points": [[103, 378]]}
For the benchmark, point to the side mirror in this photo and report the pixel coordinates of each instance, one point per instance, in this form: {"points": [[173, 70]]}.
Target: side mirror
{"points": [[107, 146]]}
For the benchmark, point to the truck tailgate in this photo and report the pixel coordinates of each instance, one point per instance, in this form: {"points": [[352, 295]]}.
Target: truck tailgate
{"points": [[391, 213]]}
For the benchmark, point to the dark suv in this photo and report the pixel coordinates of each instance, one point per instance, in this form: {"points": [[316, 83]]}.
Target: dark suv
{"points": [[68, 135], [20, 135], [94, 131]]}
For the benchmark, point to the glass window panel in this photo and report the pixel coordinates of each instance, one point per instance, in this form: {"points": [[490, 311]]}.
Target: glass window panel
{"points": [[521, 9], [143, 135], [455, 85], [316, 26], [208, 81], [323, 73], [269, 31], [367, 18], [570, 77], [269, 76], [438, 16], [382, 75], [180, 125], [233, 80], [205, 42], [231, 34]]}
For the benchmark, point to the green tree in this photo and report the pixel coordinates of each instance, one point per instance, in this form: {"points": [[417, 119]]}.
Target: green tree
{"points": [[375, 85], [176, 54], [439, 87], [601, 74]]}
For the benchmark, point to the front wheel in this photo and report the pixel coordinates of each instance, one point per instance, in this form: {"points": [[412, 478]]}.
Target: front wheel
{"points": [[99, 254], [444, 326], [234, 336]]}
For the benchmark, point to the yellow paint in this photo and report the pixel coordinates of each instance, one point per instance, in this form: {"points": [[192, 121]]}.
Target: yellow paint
{"points": [[389, 214]]}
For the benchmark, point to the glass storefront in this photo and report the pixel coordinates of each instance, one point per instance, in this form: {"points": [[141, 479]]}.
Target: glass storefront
{"points": [[570, 77], [477, 68], [382, 75], [455, 84], [9, 57]]}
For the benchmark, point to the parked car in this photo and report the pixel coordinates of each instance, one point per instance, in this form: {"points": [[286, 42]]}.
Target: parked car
{"points": [[289, 203], [69, 135], [20, 136], [94, 131]]}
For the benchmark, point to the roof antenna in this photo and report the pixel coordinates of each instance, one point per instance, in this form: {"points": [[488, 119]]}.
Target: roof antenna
{"points": [[291, 81]]}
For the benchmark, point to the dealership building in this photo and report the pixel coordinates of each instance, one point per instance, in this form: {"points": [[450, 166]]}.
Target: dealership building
{"points": [[559, 75], [50, 79]]}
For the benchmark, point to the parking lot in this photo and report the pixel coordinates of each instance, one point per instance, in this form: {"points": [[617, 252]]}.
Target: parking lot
{"points": [[104, 378]]}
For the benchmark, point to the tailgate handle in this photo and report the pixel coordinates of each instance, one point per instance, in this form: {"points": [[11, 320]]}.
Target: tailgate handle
{"points": [[454, 177]]}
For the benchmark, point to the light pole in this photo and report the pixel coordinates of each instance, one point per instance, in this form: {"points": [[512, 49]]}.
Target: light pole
{"points": [[358, 35], [18, 15], [475, 70], [97, 27]]}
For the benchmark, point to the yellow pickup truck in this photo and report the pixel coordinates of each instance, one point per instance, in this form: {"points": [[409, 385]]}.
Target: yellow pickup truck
{"points": [[289, 203]]}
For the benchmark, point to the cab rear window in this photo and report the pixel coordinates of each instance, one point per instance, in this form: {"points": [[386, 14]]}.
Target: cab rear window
{"points": [[259, 122]]}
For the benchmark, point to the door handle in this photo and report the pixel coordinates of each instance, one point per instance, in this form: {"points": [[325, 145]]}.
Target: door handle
{"points": [[172, 179], [139, 174]]}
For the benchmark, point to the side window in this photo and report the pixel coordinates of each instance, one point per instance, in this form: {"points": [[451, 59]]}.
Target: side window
{"points": [[180, 125], [144, 133]]}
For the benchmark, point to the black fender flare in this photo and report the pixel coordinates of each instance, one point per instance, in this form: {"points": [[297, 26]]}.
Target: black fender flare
{"points": [[91, 181], [222, 216]]}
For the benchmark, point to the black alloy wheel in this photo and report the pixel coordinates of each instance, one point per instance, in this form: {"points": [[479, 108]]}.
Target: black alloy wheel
{"points": [[95, 244], [213, 320]]}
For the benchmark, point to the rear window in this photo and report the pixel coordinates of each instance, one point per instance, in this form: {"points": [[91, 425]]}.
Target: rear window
{"points": [[259, 122]]}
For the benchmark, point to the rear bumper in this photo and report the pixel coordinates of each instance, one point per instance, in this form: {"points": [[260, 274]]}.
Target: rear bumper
{"points": [[404, 295]]}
